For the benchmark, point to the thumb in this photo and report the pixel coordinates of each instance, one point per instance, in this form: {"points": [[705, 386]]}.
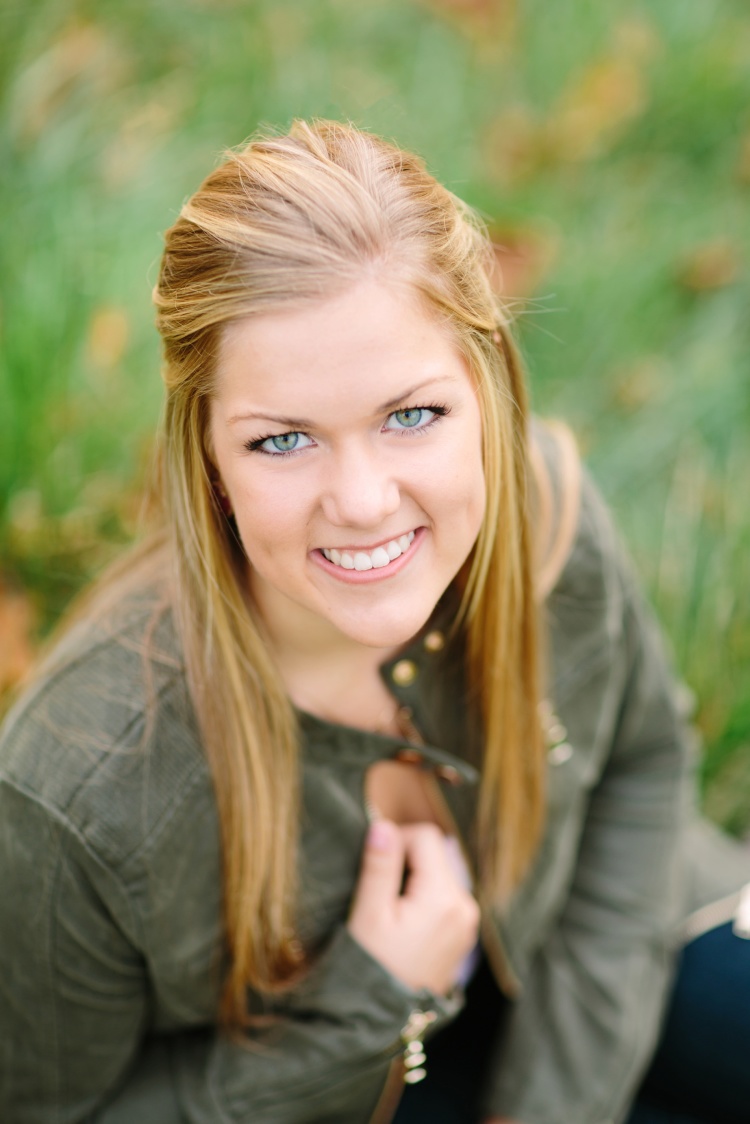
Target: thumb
{"points": [[382, 866]]}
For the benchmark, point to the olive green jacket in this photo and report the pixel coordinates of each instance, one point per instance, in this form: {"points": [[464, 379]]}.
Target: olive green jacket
{"points": [[110, 883]]}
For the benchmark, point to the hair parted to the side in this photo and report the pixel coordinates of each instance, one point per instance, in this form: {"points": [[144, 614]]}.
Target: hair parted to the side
{"points": [[297, 218]]}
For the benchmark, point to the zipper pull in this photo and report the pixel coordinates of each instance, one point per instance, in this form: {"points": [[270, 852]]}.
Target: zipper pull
{"points": [[741, 926], [414, 1055]]}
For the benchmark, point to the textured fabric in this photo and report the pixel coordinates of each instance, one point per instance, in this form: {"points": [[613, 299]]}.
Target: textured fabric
{"points": [[110, 882], [700, 1072]]}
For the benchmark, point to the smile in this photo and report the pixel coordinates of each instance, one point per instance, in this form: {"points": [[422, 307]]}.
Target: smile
{"points": [[376, 559]]}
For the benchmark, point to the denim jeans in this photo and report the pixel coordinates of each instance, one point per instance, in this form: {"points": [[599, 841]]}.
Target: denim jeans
{"points": [[700, 1073], [701, 1069]]}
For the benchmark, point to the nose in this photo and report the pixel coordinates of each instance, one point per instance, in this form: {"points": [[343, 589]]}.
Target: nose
{"points": [[360, 488]]}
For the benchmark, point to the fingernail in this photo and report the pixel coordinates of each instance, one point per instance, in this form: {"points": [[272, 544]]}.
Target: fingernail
{"points": [[379, 836]]}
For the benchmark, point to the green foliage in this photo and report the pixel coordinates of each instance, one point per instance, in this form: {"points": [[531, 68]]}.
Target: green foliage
{"points": [[616, 137]]}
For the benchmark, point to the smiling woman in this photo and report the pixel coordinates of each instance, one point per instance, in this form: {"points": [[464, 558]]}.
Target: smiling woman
{"points": [[379, 474], [376, 728]]}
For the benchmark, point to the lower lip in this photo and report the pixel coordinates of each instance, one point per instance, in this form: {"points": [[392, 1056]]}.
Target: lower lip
{"points": [[364, 577]]}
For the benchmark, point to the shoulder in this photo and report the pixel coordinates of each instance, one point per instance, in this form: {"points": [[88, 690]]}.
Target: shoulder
{"points": [[105, 739]]}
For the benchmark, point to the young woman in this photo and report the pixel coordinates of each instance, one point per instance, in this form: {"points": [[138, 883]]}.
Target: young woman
{"points": [[377, 727]]}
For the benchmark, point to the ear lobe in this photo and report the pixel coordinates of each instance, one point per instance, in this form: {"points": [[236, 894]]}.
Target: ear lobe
{"points": [[217, 484]]}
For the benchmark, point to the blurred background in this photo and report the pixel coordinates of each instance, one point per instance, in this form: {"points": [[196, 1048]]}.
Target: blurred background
{"points": [[606, 145]]}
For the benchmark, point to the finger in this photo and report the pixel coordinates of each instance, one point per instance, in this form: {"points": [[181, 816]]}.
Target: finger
{"points": [[382, 868], [427, 857], [457, 862]]}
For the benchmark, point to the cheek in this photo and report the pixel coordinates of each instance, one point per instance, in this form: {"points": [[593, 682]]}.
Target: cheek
{"points": [[271, 517], [469, 495], [475, 469], [460, 480], [476, 501]]}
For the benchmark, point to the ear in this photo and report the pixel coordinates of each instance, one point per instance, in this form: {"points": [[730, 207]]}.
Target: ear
{"points": [[212, 471], [220, 493]]}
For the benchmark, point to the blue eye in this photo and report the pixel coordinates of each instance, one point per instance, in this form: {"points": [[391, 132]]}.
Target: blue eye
{"points": [[285, 442], [280, 444], [416, 417]]}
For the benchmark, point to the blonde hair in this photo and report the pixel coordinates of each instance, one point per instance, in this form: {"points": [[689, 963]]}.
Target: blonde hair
{"points": [[291, 219]]}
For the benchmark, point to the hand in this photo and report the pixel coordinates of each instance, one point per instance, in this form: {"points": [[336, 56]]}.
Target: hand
{"points": [[422, 934]]}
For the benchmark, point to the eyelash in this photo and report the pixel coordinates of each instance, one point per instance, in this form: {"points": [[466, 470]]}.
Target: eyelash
{"points": [[440, 411]]}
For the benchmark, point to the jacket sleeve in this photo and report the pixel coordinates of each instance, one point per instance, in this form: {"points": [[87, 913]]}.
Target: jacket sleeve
{"points": [[325, 1058], [593, 992], [76, 1007]]}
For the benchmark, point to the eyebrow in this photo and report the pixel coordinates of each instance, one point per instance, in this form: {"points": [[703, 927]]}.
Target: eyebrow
{"points": [[305, 423]]}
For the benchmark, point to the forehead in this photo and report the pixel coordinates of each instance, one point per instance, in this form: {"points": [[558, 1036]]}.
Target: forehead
{"points": [[370, 341]]}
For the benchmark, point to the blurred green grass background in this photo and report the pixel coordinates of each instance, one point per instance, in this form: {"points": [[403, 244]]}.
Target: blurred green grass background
{"points": [[608, 147]]}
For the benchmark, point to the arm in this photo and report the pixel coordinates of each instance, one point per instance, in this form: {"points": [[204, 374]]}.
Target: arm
{"points": [[89, 977], [110, 922], [418, 934], [79, 1002], [326, 1058], [585, 1025]]}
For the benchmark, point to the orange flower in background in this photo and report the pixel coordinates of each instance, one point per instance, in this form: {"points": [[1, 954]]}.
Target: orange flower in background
{"points": [[522, 258], [604, 99], [108, 336], [17, 626], [497, 16], [710, 265]]}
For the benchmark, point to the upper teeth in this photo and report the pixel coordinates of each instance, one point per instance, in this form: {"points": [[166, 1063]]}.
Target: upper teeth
{"points": [[372, 559]]}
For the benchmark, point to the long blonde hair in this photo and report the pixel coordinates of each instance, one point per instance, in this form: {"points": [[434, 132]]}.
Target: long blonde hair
{"points": [[298, 218]]}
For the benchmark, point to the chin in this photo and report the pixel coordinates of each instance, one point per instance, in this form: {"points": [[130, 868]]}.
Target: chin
{"points": [[384, 633]]}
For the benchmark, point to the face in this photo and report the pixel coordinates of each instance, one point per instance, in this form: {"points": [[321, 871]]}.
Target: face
{"points": [[347, 435]]}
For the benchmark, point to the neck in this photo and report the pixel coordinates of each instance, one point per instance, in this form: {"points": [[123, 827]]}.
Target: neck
{"points": [[340, 683], [325, 671], [316, 659]]}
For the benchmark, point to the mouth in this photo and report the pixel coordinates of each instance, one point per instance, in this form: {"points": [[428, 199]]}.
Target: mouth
{"points": [[376, 559], [357, 567]]}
